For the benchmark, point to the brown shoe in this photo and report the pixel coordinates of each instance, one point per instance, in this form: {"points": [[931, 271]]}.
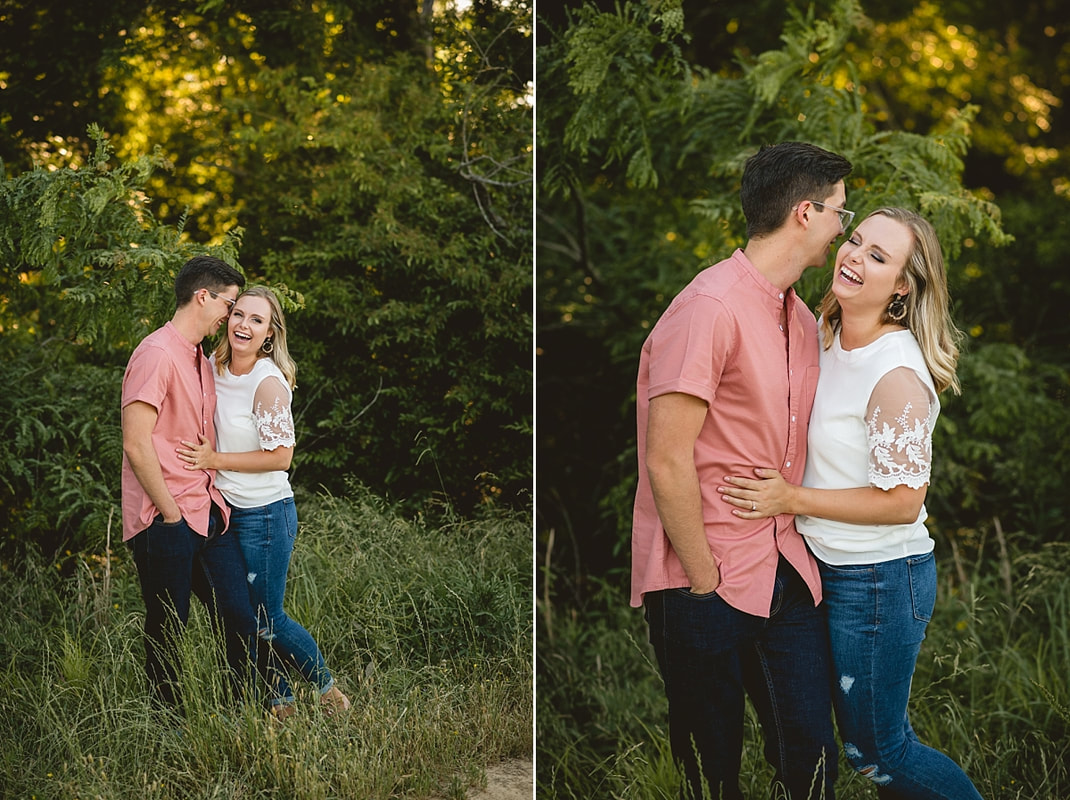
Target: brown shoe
{"points": [[332, 701], [283, 712]]}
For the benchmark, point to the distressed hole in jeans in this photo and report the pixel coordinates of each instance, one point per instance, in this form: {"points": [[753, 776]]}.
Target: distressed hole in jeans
{"points": [[251, 577], [851, 751], [846, 682], [874, 775]]}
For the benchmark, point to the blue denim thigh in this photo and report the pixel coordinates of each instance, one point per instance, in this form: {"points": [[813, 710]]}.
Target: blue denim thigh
{"points": [[877, 616], [788, 675], [711, 654], [163, 554], [219, 581], [174, 561], [267, 535]]}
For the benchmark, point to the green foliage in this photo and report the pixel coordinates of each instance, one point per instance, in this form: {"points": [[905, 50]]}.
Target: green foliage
{"points": [[1010, 418], [390, 189], [939, 57], [613, 80], [85, 234], [408, 233], [1016, 295], [591, 741], [60, 485], [87, 271], [387, 195], [426, 629], [608, 67], [51, 84]]}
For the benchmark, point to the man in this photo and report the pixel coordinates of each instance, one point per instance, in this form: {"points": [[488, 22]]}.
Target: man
{"points": [[726, 381], [173, 518]]}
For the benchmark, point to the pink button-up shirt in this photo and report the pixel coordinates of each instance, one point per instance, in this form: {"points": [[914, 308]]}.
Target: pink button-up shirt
{"points": [[721, 340], [167, 372]]}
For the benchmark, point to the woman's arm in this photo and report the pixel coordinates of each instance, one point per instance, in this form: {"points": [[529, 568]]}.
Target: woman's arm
{"points": [[275, 429], [899, 418], [866, 505], [202, 456]]}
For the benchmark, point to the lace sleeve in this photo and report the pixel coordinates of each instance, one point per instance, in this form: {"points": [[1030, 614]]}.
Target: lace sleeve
{"points": [[899, 427], [271, 410]]}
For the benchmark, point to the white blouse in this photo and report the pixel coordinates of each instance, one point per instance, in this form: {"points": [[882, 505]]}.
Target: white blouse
{"points": [[871, 425], [253, 413]]}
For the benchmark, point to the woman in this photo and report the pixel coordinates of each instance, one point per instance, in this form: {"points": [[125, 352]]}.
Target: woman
{"points": [[888, 350], [255, 377]]}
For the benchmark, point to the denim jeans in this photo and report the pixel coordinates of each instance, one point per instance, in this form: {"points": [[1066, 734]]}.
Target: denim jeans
{"points": [[877, 617], [711, 655], [173, 562], [266, 535]]}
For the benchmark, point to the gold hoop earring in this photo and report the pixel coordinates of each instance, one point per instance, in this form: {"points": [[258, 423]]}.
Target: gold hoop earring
{"points": [[267, 347]]}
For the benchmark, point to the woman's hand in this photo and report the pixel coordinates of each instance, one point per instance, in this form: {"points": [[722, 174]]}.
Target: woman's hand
{"points": [[758, 499], [197, 456]]}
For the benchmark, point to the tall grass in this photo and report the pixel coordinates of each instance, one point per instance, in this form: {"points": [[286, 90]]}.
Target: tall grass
{"points": [[427, 628], [992, 689]]}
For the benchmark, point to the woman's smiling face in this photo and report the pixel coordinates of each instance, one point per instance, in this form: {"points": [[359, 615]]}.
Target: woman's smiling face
{"points": [[870, 262], [249, 324]]}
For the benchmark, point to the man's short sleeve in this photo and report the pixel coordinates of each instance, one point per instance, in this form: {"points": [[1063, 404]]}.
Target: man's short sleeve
{"points": [[689, 348], [147, 376]]}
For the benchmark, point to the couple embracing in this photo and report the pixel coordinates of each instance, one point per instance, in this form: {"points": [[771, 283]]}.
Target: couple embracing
{"points": [[778, 544], [207, 504]]}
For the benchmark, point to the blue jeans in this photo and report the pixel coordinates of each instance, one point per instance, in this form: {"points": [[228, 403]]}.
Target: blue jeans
{"points": [[173, 562], [711, 655], [266, 535], [877, 616]]}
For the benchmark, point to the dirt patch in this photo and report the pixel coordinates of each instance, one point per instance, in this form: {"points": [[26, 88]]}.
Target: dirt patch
{"points": [[510, 780]]}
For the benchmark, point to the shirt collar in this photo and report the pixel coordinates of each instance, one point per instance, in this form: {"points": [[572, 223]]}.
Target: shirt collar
{"points": [[178, 340], [774, 292]]}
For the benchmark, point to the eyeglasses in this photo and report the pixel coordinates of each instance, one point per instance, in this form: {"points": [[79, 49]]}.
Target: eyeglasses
{"points": [[230, 303], [845, 215]]}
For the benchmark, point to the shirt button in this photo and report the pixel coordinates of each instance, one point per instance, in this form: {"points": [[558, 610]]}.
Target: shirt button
{"points": [[781, 295], [792, 417], [788, 464]]}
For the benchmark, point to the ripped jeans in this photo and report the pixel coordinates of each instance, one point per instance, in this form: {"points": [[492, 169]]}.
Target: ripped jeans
{"points": [[877, 615], [266, 535]]}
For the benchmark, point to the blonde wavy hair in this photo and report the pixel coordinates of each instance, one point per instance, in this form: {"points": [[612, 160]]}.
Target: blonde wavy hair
{"points": [[928, 313], [280, 353]]}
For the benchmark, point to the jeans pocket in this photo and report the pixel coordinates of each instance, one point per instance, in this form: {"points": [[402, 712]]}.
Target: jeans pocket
{"points": [[922, 572], [289, 511], [697, 623], [696, 595], [162, 541]]}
